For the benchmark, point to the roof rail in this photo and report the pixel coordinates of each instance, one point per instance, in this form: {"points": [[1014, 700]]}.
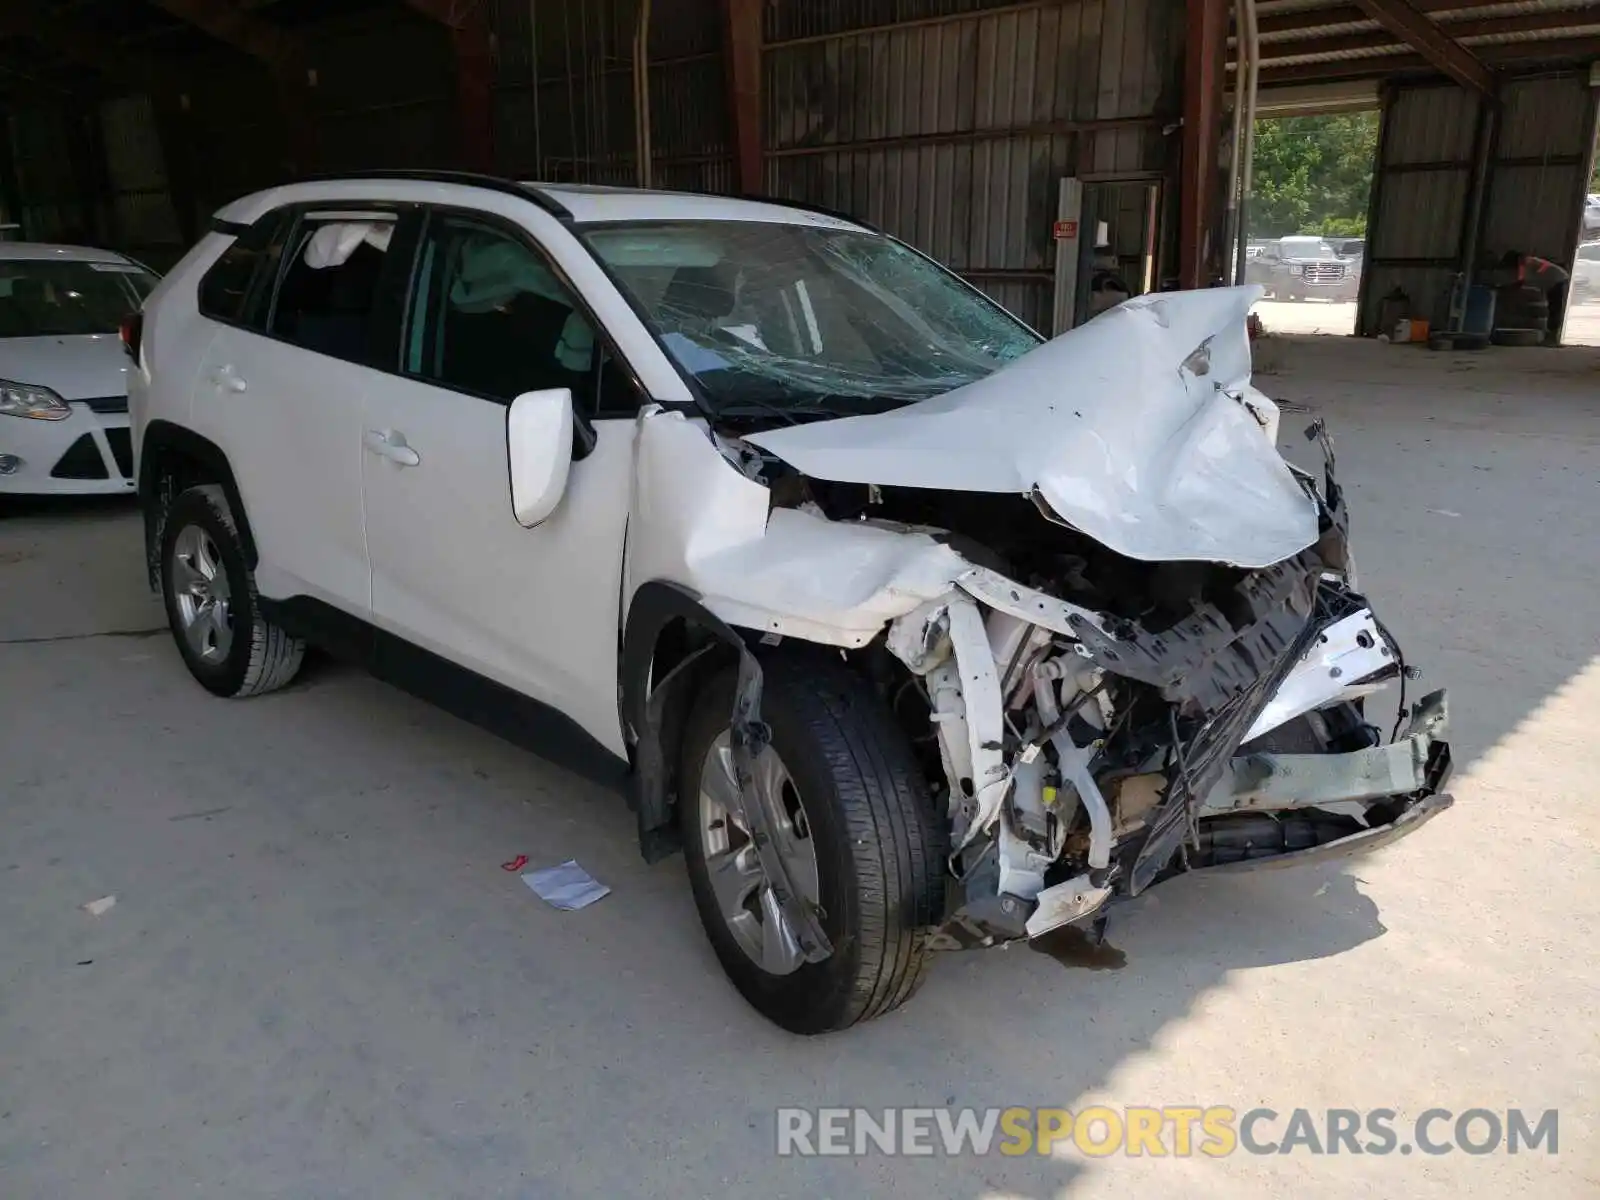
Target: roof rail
{"points": [[495, 183], [803, 206]]}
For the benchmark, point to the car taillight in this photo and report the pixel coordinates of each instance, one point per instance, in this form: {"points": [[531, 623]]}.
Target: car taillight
{"points": [[131, 330]]}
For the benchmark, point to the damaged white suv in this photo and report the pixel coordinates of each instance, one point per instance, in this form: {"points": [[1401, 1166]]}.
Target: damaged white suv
{"points": [[912, 631]]}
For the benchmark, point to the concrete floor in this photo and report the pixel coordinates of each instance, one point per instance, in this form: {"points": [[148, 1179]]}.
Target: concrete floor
{"points": [[317, 982]]}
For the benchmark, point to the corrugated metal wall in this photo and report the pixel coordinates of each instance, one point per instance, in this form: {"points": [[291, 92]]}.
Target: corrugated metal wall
{"points": [[946, 122], [564, 94], [1541, 160], [564, 89], [385, 94], [1533, 199], [53, 197], [949, 128], [690, 130], [233, 131], [143, 219], [1421, 189], [952, 131]]}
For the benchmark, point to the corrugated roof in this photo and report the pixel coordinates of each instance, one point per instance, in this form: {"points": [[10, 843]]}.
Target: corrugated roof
{"points": [[1319, 39]]}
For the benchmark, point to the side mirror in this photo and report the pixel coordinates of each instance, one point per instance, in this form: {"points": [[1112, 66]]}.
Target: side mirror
{"points": [[539, 443]]}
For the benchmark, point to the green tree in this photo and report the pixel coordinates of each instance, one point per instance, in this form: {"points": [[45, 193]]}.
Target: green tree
{"points": [[1313, 175]]}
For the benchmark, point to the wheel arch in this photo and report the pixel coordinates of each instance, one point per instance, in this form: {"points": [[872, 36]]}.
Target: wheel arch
{"points": [[671, 642], [173, 458]]}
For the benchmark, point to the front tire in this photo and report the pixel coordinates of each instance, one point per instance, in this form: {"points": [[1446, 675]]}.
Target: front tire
{"points": [[212, 606], [856, 828]]}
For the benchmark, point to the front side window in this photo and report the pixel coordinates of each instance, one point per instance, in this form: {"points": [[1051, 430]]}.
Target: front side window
{"points": [[802, 317], [63, 298], [490, 317], [329, 285]]}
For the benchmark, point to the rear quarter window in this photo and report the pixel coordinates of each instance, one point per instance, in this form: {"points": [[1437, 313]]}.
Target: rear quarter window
{"points": [[229, 289]]}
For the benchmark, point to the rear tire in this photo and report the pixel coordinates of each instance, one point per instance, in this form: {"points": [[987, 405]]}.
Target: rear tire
{"points": [[212, 606], [879, 847]]}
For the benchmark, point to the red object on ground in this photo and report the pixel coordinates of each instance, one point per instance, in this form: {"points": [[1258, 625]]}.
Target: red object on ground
{"points": [[516, 864]]}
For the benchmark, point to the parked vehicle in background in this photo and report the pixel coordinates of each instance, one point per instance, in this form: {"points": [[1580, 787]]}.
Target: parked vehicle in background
{"points": [[1353, 253], [912, 630], [1302, 267], [1591, 215], [63, 375], [1586, 274]]}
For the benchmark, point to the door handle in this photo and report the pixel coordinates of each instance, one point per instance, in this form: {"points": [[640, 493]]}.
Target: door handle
{"points": [[386, 443], [226, 379]]}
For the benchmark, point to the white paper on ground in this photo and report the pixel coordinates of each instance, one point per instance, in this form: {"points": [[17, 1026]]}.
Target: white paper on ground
{"points": [[567, 887]]}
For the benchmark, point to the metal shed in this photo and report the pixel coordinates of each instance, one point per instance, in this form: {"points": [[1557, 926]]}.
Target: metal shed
{"points": [[951, 123]]}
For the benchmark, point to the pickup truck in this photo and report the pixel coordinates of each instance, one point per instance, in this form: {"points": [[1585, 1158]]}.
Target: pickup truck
{"points": [[1299, 268]]}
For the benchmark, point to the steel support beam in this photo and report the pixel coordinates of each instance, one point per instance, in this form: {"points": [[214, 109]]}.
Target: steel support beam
{"points": [[1414, 28], [1566, 19], [1203, 72], [1350, 14], [1562, 50], [742, 22], [468, 23]]}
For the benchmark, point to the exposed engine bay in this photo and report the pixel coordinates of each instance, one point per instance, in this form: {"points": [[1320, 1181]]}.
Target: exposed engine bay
{"points": [[1094, 715]]}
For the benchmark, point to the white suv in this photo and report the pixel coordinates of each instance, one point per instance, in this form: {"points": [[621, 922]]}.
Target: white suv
{"points": [[913, 631]]}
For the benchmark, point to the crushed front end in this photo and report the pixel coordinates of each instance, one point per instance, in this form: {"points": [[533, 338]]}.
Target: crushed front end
{"points": [[1213, 717], [1121, 631]]}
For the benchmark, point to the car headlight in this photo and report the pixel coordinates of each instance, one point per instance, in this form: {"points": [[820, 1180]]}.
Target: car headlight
{"points": [[1296, 269], [31, 400]]}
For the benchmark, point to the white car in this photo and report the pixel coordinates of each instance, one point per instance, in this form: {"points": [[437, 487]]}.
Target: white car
{"points": [[63, 373], [913, 631], [1586, 274]]}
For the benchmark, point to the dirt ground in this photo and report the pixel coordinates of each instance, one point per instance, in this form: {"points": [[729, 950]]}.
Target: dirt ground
{"points": [[317, 982]]}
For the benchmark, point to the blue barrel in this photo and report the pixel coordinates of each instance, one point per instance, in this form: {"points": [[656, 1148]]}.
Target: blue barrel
{"points": [[1479, 316]]}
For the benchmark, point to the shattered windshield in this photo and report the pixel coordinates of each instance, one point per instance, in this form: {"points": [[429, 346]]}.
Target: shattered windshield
{"points": [[800, 317]]}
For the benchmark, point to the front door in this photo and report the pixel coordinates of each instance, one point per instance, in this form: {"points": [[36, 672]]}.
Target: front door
{"points": [[452, 570]]}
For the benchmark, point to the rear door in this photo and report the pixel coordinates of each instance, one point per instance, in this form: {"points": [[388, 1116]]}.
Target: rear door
{"points": [[492, 315], [284, 390]]}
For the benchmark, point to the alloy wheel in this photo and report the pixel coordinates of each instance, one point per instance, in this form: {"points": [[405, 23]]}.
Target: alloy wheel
{"points": [[204, 598], [743, 892]]}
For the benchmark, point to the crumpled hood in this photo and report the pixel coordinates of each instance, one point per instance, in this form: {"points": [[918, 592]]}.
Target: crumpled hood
{"points": [[1125, 431], [74, 366]]}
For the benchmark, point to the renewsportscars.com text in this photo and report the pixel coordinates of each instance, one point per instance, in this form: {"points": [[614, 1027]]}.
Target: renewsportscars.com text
{"points": [[1180, 1131]]}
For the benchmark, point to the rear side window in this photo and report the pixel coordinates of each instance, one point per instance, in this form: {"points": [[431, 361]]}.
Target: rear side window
{"points": [[330, 284], [228, 288]]}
